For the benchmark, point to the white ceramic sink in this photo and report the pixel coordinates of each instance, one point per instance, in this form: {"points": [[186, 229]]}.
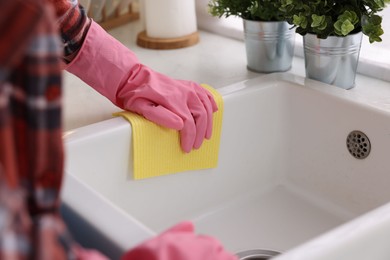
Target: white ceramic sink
{"points": [[285, 181]]}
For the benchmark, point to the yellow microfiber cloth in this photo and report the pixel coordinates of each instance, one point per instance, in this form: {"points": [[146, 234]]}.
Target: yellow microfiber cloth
{"points": [[157, 151]]}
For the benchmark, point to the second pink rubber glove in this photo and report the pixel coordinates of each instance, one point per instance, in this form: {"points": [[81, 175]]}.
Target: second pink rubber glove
{"points": [[114, 71], [179, 243]]}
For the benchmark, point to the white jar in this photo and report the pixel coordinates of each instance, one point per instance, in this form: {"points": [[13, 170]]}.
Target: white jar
{"points": [[170, 18]]}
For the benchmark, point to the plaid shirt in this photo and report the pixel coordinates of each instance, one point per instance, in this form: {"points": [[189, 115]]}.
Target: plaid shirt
{"points": [[31, 149]]}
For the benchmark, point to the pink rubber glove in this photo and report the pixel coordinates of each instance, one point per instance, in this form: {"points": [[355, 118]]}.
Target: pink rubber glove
{"points": [[87, 254], [179, 243], [114, 71]]}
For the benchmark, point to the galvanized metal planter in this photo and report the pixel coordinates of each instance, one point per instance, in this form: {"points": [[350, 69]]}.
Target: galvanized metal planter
{"points": [[333, 60], [269, 45]]}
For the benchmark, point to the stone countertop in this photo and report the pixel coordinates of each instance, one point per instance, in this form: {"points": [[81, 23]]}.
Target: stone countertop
{"points": [[215, 60]]}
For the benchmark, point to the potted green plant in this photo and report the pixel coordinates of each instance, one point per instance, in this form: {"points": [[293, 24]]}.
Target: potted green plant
{"points": [[269, 40], [332, 33]]}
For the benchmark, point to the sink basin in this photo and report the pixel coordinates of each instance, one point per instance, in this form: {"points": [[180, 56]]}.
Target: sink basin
{"points": [[285, 180]]}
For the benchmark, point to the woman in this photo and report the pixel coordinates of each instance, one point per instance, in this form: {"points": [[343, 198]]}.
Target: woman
{"points": [[38, 38]]}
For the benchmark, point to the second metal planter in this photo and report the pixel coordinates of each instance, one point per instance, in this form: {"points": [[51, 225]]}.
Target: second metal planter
{"points": [[333, 60], [269, 45]]}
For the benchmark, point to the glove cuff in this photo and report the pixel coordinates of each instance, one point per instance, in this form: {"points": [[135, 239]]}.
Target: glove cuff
{"points": [[103, 62]]}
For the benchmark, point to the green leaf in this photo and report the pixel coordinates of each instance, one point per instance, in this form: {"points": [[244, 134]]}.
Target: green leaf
{"points": [[376, 20], [347, 27], [286, 2], [300, 20], [345, 23], [374, 38], [319, 22]]}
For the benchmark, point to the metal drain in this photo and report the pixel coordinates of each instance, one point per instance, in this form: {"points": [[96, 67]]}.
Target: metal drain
{"points": [[257, 254], [358, 144]]}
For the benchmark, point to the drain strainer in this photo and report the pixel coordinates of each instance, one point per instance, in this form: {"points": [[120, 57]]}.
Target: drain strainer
{"points": [[358, 144], [257, 254]]}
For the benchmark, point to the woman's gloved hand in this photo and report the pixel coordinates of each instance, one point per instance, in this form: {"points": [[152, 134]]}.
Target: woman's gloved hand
{"points": [[114, 71], [179, 243]]}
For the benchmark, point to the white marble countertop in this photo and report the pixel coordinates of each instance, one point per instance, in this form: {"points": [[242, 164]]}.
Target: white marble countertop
{"points": [[215, 60]]}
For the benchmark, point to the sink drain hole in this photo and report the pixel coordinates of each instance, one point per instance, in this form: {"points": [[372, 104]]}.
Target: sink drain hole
{"points": [[257, 254], [358, 144]]}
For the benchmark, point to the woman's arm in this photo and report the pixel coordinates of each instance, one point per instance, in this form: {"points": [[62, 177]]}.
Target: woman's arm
{"points": [[113, 70]]}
